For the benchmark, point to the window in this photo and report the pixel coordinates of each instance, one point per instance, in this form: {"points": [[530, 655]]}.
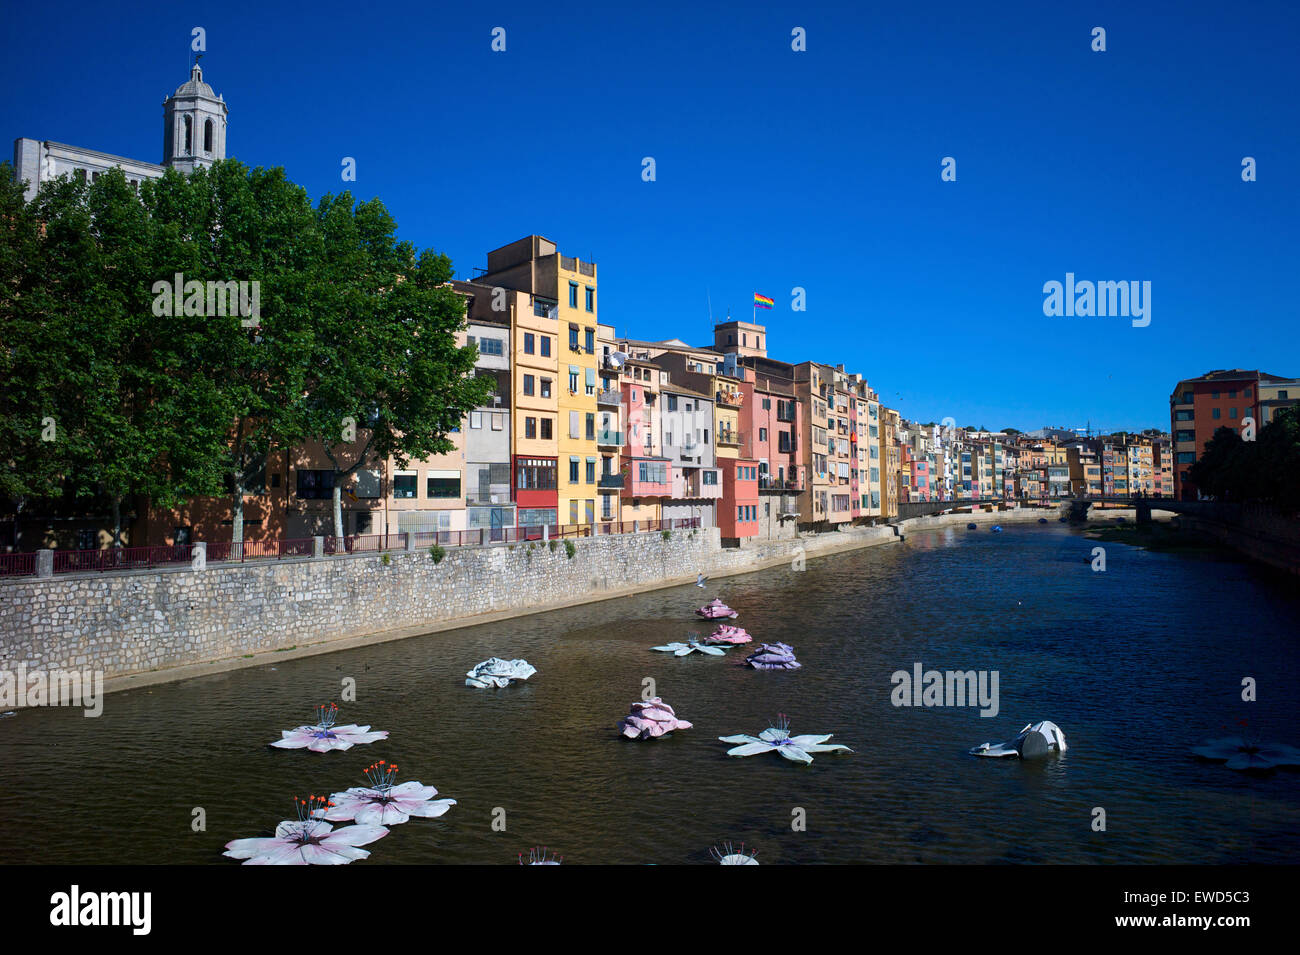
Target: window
{"points": [[573, 470], [546, 429], [1231, 394], [536, 475], [315, 484], [1232, 412], [207, 136], [476, 419], [546, 387], [189, 136], [1186, 457], [709, 477], [546, 346], [440, 484], [591, 425], [528, 384], [591, 299], [530, 427], [590, 380], [1214, 413], [575, 422], [767, 404], [573, 379], [590, 338], [404, 485], [529, 342], [491, 346], [573, 338], [573, 295], [498, 421], [1246, 394], [591, 470], [672, 402], [762, 434]]}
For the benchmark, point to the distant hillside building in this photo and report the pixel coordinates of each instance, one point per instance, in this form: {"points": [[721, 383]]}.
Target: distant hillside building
{"points": [[194, 136]]}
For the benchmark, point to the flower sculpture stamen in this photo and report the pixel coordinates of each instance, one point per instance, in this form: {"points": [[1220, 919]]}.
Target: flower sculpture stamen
{"points": [[325, 735], [1246, 754], [651, 719], [307, 840], [384, 802], [540, 856], [773, 656], [692, 645], [798, 749], [727, 854]]}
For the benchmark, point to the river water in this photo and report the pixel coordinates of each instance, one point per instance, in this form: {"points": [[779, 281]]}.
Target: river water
{"points": [[1135, 664]]}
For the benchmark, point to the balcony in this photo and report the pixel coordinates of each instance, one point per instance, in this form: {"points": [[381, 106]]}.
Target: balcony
{"points": [[612, 398], [776, 484], [729, 438], [611, 482], [607, 438], [728, 398]]}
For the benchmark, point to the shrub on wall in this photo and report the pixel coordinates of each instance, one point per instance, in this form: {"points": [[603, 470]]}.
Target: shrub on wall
{"points": [[570, 549], [437, 552], [385, 559], [668, 535]]}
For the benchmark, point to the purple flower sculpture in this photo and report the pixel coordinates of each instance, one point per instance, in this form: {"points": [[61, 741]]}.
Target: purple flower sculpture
{"points": [[651, 719], [306, 841], [773, 656], [325, 736], [382, 803], [1245, 754]]}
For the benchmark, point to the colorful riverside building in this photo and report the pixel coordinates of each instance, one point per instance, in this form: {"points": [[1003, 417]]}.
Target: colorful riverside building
{"points": [[646, 478], [1218, 399], [563, 295]]}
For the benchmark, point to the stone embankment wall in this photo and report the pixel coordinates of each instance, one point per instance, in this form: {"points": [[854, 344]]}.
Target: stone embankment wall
{"points": [[159, 620]]}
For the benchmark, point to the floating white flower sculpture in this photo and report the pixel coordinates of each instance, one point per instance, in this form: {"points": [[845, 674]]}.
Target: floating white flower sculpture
{"points": [[778, 739], [651, 719], [1246, 754], [1036, 739], [540, 856], [498, 673], [682, 649], [325, 736], [726, 854], [382, 803], [307, 841]]}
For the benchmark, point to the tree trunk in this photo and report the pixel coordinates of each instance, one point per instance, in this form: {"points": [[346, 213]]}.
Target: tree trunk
{"points": [[338, 509]]}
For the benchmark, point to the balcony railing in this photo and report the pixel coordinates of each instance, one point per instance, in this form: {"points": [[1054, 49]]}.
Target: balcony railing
{"points": [[609, 438], [730, 399], [729, 439], [610, 397], [611, 481], [776, 484]]}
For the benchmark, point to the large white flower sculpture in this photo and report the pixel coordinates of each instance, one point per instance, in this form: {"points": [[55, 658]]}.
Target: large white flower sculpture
{"points": [[691, 645], [325, 735], [498, 673], [306, 841], [727, 854], [778, 739], [542, 856], [1035, 740], [383, 803], [1246, 754]]}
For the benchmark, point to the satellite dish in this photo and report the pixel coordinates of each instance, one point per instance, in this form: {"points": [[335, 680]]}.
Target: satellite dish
{"points": [[616, 359]]}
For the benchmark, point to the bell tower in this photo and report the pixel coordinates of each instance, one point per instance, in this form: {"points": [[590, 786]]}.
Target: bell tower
{"points": [[194, 125]]}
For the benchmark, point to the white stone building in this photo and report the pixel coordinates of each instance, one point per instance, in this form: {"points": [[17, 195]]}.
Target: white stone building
{"points": [[194, 136]]}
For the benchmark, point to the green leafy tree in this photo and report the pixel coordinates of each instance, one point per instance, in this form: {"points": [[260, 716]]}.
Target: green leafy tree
{"points": [[387, 378]]}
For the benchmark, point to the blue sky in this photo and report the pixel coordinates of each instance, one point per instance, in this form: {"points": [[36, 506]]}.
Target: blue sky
{"points": [[778, 169]]}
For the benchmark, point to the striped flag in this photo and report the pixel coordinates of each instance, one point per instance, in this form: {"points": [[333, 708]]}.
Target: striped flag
{"points": [[762, 301]]}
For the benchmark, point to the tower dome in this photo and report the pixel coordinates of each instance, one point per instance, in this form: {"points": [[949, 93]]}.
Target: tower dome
{"points": [[194, 125]]}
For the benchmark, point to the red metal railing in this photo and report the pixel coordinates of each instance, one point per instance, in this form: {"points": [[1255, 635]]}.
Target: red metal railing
{"points": [[139, 558], [17, 565]]}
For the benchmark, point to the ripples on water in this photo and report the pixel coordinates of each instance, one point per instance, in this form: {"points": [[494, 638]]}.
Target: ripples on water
{"points": [[1135, 664]]}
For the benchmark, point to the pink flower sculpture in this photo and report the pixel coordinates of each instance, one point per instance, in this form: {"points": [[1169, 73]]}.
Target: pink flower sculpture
{"points": [[651, 719], [325, 736], [382, 803], [306, 841], [715, 609], [726, 633]]}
